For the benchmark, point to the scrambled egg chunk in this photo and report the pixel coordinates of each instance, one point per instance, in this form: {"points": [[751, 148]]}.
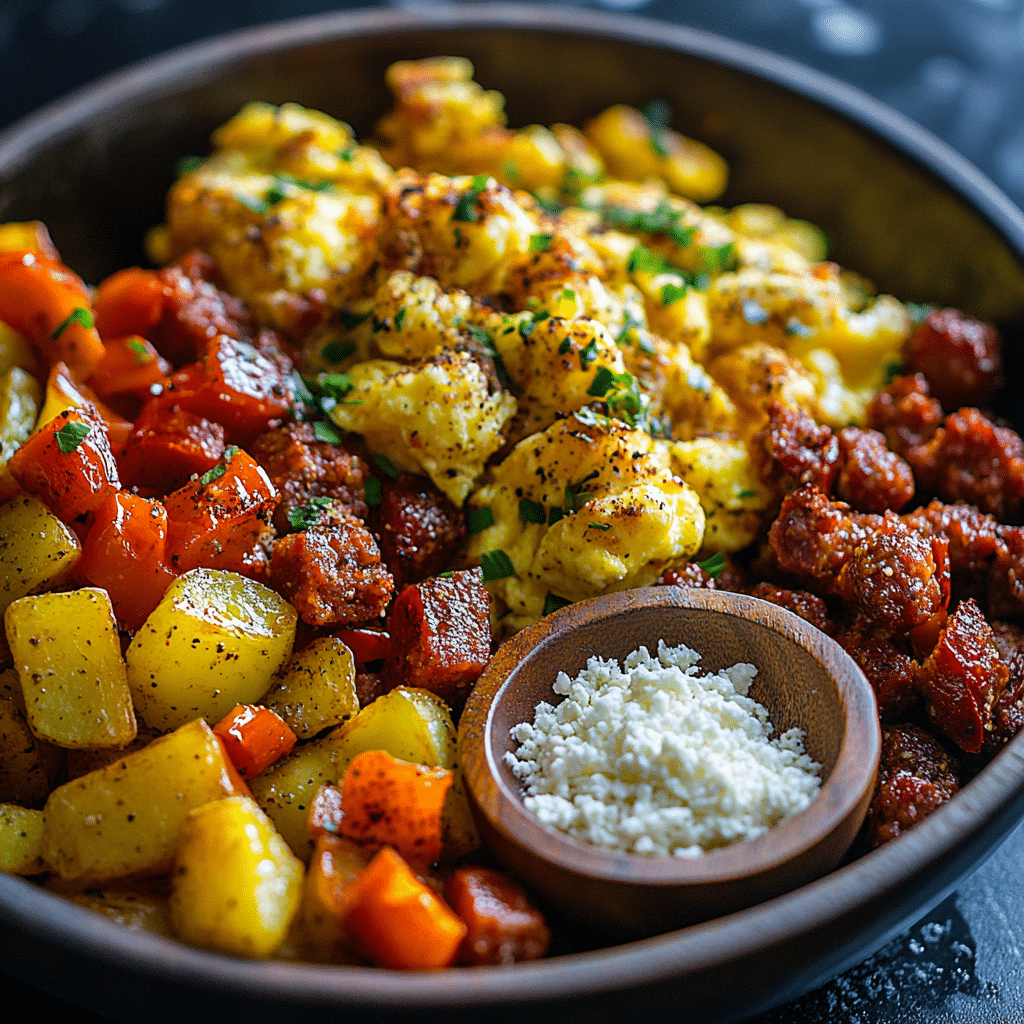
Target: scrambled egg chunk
{"points": [[583, 509], [438, 418]]}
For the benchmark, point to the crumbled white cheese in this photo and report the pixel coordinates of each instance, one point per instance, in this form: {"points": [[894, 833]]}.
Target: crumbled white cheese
{"points": [[654, 758]]}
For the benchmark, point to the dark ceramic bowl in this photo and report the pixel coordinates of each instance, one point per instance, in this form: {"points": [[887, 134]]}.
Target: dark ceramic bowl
{"points": [[901, 208]]}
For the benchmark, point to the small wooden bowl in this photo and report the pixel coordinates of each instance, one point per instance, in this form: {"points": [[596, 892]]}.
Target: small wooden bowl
{"points": [[804, 679]]}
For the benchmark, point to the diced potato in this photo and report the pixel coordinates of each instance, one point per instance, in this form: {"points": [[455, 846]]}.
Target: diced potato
{"points": [[317, 688], [21, 840], [214, 641], [68, 656], [20, 395], [124, 819], [413, 725], [286, 791], [236, 886], [36, 549], [28, 766]]}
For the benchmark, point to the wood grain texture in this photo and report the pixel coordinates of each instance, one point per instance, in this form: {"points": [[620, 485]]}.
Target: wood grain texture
{"points": [[804, 679]]}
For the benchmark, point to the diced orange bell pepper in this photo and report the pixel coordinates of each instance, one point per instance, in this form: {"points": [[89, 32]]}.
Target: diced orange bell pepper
{"points": [[50, 305], [255, 737], [365, 644], [130, 301], [389, 802], [239, 785], [124, 553], [130, 366], [68, 464], [217, 521], [397, 921]]}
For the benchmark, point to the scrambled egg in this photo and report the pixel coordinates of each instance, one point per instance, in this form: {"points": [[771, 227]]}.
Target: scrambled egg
{"points": [[543, 321]]}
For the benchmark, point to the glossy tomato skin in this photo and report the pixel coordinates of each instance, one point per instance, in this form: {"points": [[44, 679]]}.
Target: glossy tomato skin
{"points": [[124, 553], [130, 301]]}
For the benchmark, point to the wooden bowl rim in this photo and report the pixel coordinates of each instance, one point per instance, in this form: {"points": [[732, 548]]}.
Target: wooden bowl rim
{"points": [[854, 771]]}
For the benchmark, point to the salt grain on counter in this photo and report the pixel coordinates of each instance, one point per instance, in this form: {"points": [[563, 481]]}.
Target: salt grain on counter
{"points": [[654, 758]]}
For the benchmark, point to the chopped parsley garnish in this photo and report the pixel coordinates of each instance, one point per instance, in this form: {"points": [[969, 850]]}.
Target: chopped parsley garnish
{"points": [[553, 603], [304, 516], [496, 565], [324, 431], [71, 435], [672, 293], [300, 390], [141, 353], [213, 474], [892, 371], [568, 295], [714, 566], [79, 315], [510, 170], [603, 380], [337, 351], [657, 113], [531, 512], [187, 164], [747, 493], [555, 514], [588, 354], [575, 496], [479, 519], [663, 221], [753, 312], [274, 195], [256, 205], [349, 320], [598, 526], [385, 465], [526, 326], [335, 385], [400, 319], [346, 154], [373, 491], [480, 335], [310, 186], [459, 240], [628, 324], [565, 346], [645, 260], [449, 575], [550, 206], [540, 243], [721, 259], [465, 208]]}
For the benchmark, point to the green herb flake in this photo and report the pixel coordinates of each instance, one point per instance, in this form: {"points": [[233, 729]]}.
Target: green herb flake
{"points": [[554, 603], [588, 354], [385, 465], [350, 320], [139, 350], [79, 315], [346, 154], [555, 514], [213, 474], [565, 346], [449, 575], [567, 295], [187, 164], [274, 195], [598, 526], [327, 432], [479, 519], [373, 491], [250, 203], [892, 371], [465, 208], [713, 566], [337, 351], [71, 435], [400, 319], [459, 240], [720, 260], [335, 385], [672, 293], [302, 517], [496, 565], [658, 114], [531, 512], [647, 261], [747, 493], [663, 221], [540, 243], [602, 382]]}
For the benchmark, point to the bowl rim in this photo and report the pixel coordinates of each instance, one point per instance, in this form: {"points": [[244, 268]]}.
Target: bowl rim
{"points": [[854, 770], [865, 888]]}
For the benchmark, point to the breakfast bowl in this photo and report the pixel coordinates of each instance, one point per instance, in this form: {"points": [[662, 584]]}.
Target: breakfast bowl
{"points": [[898, 206], [804, 680]]}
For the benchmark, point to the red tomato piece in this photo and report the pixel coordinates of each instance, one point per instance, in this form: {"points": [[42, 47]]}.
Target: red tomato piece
{"points": [[170, 445], [130, 366], [254, 737], [68, 464], [365, 644], [217, 521], [129, 302], [124, 553]]}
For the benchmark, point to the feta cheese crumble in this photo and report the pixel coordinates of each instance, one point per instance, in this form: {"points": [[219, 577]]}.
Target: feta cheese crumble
{"points": [[654, 758]]}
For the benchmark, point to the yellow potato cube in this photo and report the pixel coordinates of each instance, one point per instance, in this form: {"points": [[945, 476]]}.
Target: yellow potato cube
{"points": [[28, 766], [68, 657], [214, 641], [36, 549], [236, 886], [123, 820], [317, 688], [21, 840]]}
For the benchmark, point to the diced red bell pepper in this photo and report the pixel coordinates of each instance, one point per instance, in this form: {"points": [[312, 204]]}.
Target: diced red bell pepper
{"points": [[68, 464], [50, 305], [365, 644], [124, 553], [130, 366], [236, 385], [129, 302], [169, 445], [440, 636], [255, 737], [217, 521]]}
